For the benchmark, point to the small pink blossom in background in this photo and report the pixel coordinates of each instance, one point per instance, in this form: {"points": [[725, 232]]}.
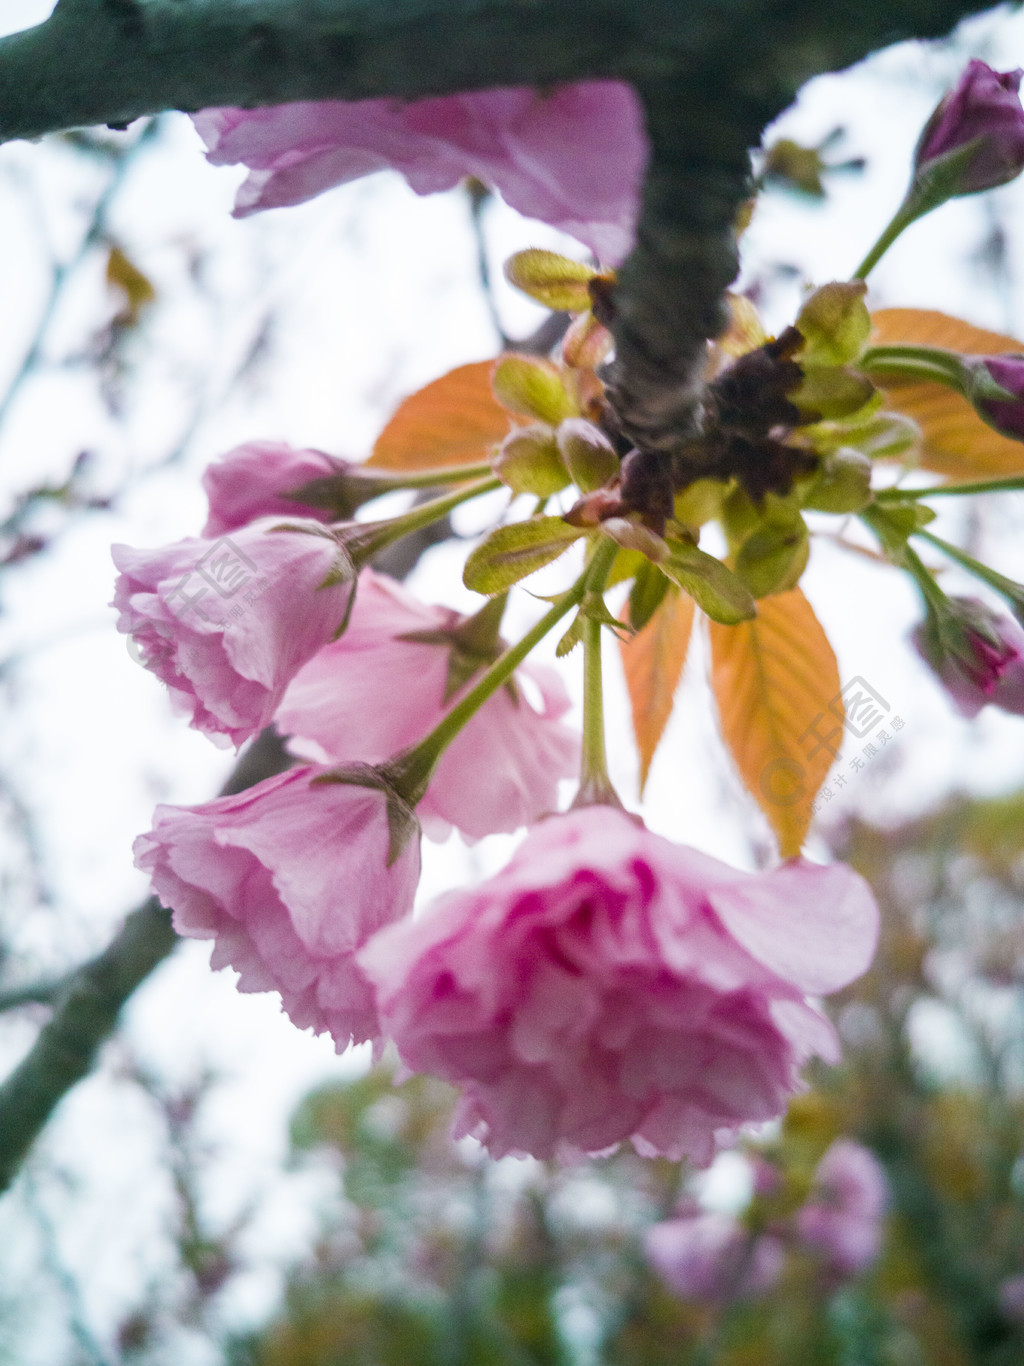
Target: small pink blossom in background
{"points": [[610, 985], [984, 108], [710, 1257], [572, 156], [289, 878], [227, 623], [1011, 1298], [252, 481], [843, 1218], [370, 694], [980, 659]]}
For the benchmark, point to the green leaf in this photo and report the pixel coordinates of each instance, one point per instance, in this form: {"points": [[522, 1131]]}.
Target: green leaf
{"points": [[572, 637], [512, 552], [645, 597], [715, 589]]}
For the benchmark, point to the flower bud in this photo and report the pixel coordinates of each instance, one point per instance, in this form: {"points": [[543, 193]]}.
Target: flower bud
{"points": [[975, 138], [978, 655], [588, 454], [531, 387], [843, 484], [995, 385], [774, 556], [529, 462]]}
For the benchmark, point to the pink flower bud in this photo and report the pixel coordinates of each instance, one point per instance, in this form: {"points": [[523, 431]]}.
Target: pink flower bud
{"points": [[710, 1257], [843, 1218], [978, 654], [227, 623], [290, 879], [572, 156], [609, 985], [1005, 414], [255, 480], [983, 110]]}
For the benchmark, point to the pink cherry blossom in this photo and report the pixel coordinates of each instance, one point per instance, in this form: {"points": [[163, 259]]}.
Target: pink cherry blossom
{"points": [[843, 1218], [572, 156], [254, 481], [710, 1256], [984, 110], [610, 985], [372, 693], [1005, 414], [288, 878], [977, 653], [226, 623]]}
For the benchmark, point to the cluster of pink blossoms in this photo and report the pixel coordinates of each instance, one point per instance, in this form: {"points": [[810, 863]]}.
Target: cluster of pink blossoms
{"points": [[608, 985], [711, 1255]]}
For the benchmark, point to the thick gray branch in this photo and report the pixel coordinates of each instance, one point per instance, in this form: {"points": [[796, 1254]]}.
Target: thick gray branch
{"points": [[712, 73]]}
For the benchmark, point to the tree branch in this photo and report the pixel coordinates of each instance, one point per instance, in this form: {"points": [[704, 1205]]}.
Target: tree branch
{"points": [[711, 74], [90, 999]]}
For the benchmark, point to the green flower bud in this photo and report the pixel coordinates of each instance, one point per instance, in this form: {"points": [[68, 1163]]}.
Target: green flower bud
{"points": [[528, 461], [843, 484]]}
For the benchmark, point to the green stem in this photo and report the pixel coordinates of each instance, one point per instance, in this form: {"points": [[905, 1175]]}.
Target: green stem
{"points": [[904, 216], [934, 597], [595, 785], [410, 772], [1007, 588], [899, 553], [366, 539], [1012, 484], [921, 363], [427, 479]]}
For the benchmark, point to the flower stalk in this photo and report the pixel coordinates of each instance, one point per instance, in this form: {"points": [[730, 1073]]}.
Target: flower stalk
{"points": [[409, 773], [364, 540]]}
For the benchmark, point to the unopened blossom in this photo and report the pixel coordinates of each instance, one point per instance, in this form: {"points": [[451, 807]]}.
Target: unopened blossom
{"points": [[289, 879], [610, 985], [978, 655], [572, 155], [226, 623], [983, 111], [843, 1218], [1005, 413], [374, 692], [255, 480], [711, 1256]]}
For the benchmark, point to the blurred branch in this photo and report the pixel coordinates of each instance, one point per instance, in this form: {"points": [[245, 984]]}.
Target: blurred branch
{"points": [[33, 993], [87, 1006], [65, 270]]}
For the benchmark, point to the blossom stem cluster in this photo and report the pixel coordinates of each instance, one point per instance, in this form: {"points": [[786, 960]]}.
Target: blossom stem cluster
{"points": [[410, 772]]}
